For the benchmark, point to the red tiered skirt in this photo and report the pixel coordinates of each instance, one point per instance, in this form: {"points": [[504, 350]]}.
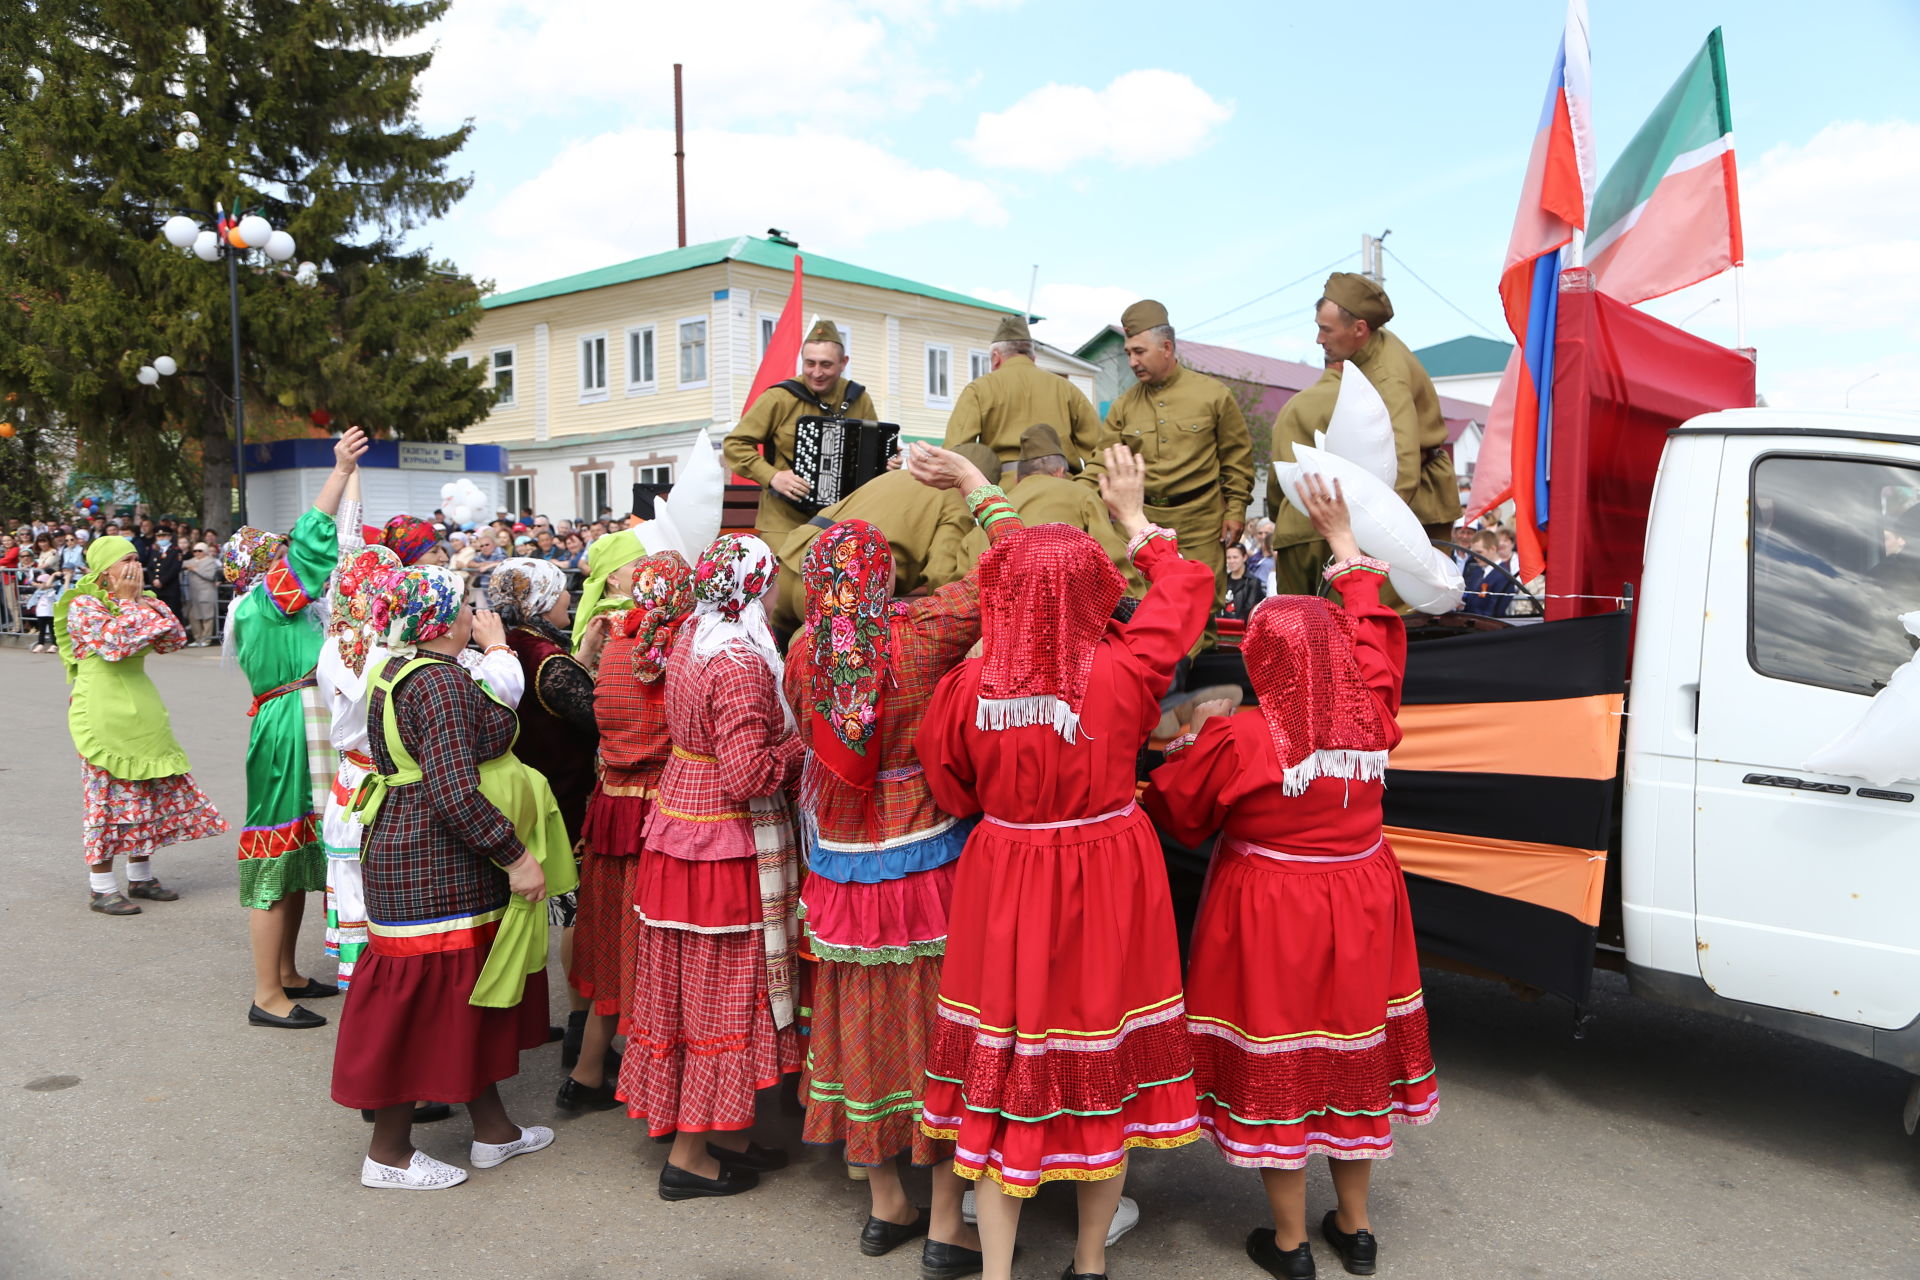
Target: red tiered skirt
{"points": [[1060, 1039], [606, 935], [1304, 1001]]}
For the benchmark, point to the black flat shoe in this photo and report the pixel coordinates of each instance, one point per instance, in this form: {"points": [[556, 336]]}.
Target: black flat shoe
{"points": [[297, 1019], [880, 1237], [423, 1113], [312, 991], [941, 1261], [756, 1158], [1071, 1274], [677, 1184], [1287, 1264], [574, 1096], [1359, 1252], [570, 1038]]}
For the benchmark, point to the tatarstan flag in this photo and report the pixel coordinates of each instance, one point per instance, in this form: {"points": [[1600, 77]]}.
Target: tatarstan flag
{"points": [[1668, 214]]}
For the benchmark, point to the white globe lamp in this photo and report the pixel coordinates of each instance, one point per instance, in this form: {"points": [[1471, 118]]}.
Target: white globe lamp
{"points": [[206, 246]]}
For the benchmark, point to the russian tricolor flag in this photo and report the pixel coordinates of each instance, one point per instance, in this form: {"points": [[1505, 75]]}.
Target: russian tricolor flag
{"points": [[1553, 204]]}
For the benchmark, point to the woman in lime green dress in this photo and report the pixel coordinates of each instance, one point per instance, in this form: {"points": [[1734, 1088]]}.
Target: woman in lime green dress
{"points": [[137, 791]]}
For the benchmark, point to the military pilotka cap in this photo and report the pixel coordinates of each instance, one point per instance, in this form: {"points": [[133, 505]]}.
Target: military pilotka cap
{"points": [[1359, 295], [980, 456], [1013, 329], [826, 331], [1143, 315], [1040, 441]]}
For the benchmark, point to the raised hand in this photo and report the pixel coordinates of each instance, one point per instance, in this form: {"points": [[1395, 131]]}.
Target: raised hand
{"points": [[1123, 486], [942, 468]]}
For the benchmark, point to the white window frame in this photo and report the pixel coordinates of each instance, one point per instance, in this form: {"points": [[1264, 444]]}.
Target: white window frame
{"points": [[590, 511], [513, 369], [636, 385], [462, 358], [706, 352], [590, 394], [979, 363], [519, 487], [657, 473], [768, 324], [935, 399]]}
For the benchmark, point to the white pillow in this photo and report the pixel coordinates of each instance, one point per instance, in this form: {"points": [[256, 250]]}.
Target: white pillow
{"points": [[687, 517], [1385, 527], [1361, 430], [1884, 746]]}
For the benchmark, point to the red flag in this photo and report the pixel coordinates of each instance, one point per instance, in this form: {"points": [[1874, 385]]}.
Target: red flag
{"points": [[783, 348]]}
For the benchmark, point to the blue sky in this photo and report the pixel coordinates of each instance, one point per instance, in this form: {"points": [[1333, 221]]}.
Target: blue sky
{"points": [[1203, 154]]}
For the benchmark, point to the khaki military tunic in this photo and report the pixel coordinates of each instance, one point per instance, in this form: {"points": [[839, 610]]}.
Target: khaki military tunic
{"points": [[772, 421], [1426, 476], [997, 408], [926, 528], [1190, 432], [1045, 499]]}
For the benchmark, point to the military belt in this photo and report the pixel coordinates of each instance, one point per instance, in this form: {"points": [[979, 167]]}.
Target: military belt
{"points": [[1179, 499]]}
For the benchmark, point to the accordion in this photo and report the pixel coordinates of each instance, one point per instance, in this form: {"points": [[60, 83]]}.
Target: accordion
{"points": [[838, 455]]}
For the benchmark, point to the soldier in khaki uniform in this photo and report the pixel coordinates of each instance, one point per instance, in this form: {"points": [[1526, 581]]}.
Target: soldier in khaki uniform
{"points": [[1350, 317], [926, 528], [770, 421], [1193, 437], [1044, 495], [996, 408]]}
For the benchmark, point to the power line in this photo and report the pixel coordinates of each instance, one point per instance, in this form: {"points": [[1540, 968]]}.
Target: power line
{"points": [[1436, 293], [1263, 297]]}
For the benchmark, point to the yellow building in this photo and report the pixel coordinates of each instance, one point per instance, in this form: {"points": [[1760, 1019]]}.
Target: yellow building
{"points": [[605, 378]]}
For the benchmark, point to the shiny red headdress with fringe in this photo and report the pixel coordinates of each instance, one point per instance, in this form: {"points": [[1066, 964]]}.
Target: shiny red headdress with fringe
{"points": [[1046, 595], [1324, 720]]}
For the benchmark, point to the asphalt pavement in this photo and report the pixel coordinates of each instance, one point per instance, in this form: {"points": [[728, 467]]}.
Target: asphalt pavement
{"points": [[149, 1131]]}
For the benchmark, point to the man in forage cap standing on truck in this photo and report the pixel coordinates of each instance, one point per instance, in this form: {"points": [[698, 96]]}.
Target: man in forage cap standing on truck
{"points": [[1350, 317], [996, 408]]}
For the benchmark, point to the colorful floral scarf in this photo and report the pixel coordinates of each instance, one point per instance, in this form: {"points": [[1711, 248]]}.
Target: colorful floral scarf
{"points": [[662, 599], [523, 589], [728, 583], [426, 600], [1324, 720], [248, 554], [848, 574], [361, 602], [1046, 595], [408, 537]]}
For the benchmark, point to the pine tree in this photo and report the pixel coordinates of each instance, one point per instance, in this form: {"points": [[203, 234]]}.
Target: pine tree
{"points": [[304, 113]]}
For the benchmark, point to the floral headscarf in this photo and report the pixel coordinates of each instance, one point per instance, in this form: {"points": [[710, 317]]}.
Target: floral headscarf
{"points": [[426, 600], [662, 599], [523, 589], [361, 602], [409, 537], [1046, 594], [1324, 721], [248, 554], [728, 583], [848, 574]]}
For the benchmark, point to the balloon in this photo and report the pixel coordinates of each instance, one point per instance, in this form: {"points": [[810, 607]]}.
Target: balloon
{"points": [[321, 418], [1385, 528], [180, 231], [165, 366], [188, 120], [186, 141], [461, 512], [148, 375], [256, 231], [6, 431], [236, 238], [1360, 429], [206, 246]]}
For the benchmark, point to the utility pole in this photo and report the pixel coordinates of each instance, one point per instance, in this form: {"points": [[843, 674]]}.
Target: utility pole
{"points": [[679, 157], [1372, 256]]}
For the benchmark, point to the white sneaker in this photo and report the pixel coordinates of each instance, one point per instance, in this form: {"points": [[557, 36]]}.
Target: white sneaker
{"points": [[532, 1138], [423, 1173], [1126, 1216]]}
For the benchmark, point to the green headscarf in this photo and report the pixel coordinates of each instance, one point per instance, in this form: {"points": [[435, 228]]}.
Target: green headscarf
{"points": [[102, 554], [603, 557]]}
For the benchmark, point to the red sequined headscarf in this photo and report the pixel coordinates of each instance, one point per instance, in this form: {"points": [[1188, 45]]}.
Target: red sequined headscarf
{"points": [[1046, 594], [662, 599], [848, 575], [1324, 720]]}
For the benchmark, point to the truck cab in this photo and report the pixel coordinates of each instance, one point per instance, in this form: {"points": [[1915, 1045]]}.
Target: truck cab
{"points": [[1777, 561]]}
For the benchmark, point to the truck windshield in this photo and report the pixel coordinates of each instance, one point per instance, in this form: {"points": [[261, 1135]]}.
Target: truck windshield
{"points": [[1836, 561]]}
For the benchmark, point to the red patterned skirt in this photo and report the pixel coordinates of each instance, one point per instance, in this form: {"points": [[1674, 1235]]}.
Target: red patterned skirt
{"points": [[407, 1033], [1304, 1002], [700, 1038], [606, 932], [867, 1057], [1060, 1039]]}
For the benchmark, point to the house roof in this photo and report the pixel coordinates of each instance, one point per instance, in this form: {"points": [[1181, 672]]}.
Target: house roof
{"points": [[1461, 356], [753, 249]]}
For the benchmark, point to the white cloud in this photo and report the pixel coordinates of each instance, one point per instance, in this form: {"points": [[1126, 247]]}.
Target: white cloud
{"points": [[546, 227], [1143, 117], [839, 63], [1074, 312]]}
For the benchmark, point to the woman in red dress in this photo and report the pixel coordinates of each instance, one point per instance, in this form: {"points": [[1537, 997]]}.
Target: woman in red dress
{"points": [[718, 890], [630, 704], [1060, 1039], [1303, 988]]}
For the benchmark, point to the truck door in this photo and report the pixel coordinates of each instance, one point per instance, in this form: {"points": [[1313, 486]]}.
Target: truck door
{"points": [[1806, 884]]}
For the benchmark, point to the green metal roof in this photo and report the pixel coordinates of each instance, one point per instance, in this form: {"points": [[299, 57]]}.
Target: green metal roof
{"points": [[1471, 354], [753, 249]]}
